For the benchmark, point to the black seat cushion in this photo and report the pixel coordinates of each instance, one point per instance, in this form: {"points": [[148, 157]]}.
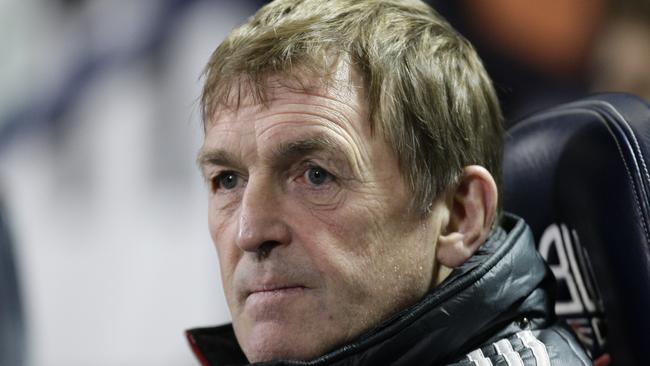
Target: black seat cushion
{"points": [[578, 173]]}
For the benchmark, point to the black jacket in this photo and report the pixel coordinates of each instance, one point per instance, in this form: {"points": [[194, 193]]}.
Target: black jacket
{"points": [[496, 309]]}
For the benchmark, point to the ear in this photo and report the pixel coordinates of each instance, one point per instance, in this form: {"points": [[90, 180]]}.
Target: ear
{"points": [[472, 207]]}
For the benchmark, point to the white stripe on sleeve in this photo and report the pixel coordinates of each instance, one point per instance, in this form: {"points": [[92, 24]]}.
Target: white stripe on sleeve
{"points": [[504, 348], [478, 358], [535, 345]]}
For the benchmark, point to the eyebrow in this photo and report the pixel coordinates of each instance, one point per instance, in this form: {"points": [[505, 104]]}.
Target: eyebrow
{"points": [[217, 157], [291, 150], [281, 154]]}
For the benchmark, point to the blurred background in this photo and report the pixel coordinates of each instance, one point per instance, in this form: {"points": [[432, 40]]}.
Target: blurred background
{"points": [[105, 258]]}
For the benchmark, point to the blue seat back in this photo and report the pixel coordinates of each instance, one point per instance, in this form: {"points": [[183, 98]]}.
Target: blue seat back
{"points": [[579, 174]]}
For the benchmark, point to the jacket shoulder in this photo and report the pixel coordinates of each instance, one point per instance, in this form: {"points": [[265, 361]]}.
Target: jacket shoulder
{"points": [[554, 346]]}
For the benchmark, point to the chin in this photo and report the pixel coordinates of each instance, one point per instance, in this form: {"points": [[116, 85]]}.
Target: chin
{"points": [[268, 342], [271, 351]]}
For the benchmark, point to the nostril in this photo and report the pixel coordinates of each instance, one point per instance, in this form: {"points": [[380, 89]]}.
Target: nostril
{"points": [[264, 250]]}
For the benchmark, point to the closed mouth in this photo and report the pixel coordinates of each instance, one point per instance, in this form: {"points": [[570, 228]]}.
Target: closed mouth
{"points": [[272, 294], [271, 289]]}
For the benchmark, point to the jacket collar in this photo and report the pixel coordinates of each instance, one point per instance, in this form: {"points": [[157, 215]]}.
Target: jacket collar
{"points": [[502, 282]]}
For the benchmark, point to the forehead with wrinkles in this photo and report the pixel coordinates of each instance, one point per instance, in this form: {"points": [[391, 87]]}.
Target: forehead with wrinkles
{"points": [[330, 117], [339, 82]]}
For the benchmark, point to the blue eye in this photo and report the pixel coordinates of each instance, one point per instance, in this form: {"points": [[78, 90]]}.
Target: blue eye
{"points": [[317, 176], [225, 180]]}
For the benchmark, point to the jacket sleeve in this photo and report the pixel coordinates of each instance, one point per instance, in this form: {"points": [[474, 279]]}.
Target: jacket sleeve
{"points": [[553, 346]]}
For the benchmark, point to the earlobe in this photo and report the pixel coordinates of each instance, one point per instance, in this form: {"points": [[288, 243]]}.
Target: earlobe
{"points": [[452, 250], [472, 207]]}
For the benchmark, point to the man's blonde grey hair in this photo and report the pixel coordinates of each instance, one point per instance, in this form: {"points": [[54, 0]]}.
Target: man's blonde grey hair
{"points": [[428, 93]]}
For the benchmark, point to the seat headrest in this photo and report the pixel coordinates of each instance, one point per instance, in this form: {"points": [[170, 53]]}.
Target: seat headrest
{"points": [[579, 174]]}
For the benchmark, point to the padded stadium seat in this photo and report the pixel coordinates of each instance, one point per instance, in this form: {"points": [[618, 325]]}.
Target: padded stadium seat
{"points": [[579, 174]]}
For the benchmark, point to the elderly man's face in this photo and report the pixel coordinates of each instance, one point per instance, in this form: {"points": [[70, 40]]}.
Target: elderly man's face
{"points": [[310, 217]]}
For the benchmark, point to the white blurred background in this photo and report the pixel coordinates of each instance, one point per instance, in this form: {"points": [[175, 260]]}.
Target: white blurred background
{"points": [[99, 128]]}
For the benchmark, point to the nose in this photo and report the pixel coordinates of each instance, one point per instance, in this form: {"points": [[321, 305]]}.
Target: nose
{"points": [[261, 225]]}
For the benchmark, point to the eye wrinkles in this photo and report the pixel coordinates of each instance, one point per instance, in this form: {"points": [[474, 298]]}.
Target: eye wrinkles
{"points": [[315, 165]]}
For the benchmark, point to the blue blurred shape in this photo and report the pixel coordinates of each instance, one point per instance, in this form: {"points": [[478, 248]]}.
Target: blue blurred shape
{"points": [[12, 340]]}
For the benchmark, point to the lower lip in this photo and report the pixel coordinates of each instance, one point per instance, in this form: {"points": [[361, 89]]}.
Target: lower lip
{"points": [[273, 297]]}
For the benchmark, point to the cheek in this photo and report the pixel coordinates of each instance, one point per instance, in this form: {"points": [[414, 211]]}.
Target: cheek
{"points": [[223, 231], [357, 228], [369, 247], [343, 243]]}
